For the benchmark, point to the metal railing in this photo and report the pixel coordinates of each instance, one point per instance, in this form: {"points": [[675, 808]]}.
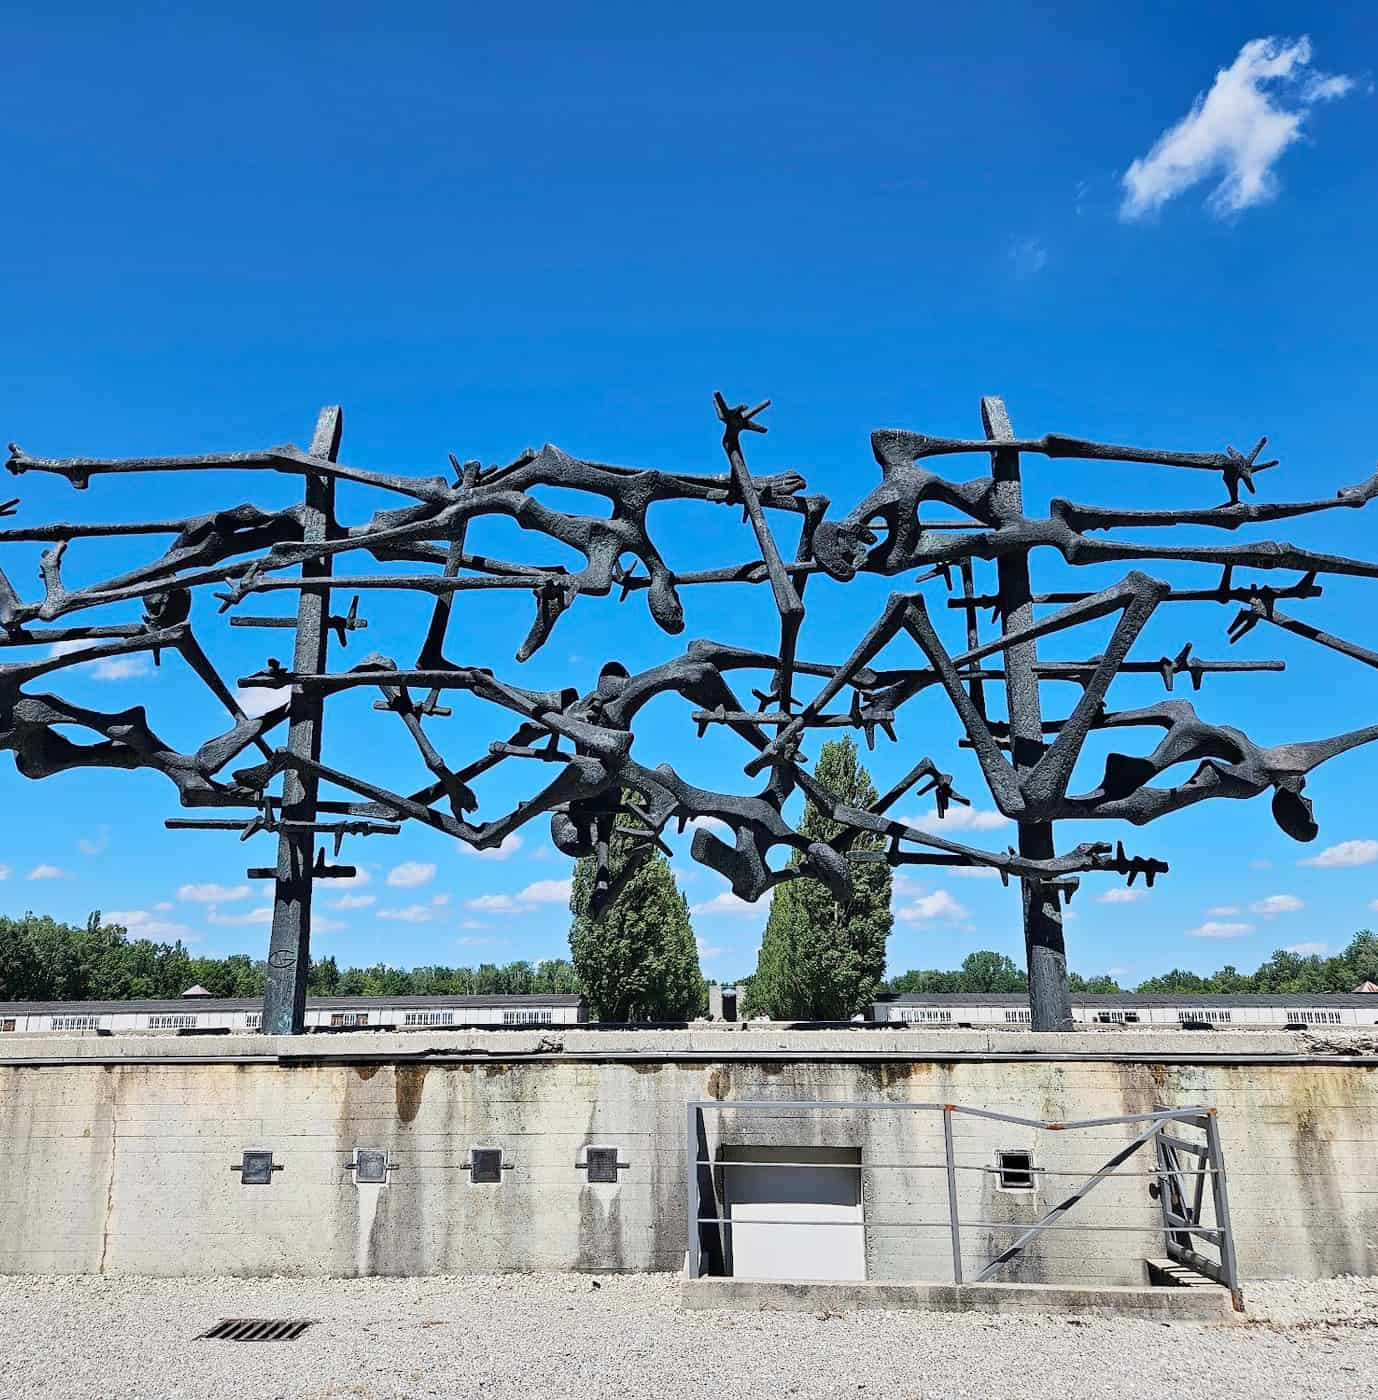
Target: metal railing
{"points": [[1182, 1191]]}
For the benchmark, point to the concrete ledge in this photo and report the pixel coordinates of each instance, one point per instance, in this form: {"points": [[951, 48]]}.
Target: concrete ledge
{"points": [[761, 1295], [705, 1045]]}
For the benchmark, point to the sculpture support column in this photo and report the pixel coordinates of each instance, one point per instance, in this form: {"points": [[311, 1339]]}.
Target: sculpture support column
{"points": [[289, 949], [1049, 1006]]}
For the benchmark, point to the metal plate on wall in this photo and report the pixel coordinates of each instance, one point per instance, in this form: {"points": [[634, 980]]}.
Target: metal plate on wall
{"points": [[485, 1166], [602, 1163], [371, 1166], [256, 1169]]}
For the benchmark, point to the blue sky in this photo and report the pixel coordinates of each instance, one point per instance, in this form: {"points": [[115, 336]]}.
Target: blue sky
{"points": [[479, 232]]}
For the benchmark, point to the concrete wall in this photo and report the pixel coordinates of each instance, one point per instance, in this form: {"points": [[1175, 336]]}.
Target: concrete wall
{"points": [[116, 1156]]}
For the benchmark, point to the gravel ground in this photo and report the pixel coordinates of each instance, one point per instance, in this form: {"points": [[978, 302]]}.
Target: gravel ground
{"points": [[573, 1335]]}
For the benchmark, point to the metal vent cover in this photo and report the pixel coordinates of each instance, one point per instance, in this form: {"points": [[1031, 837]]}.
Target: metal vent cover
{"points": [[485, 1166], [601, 1163], [371, 1166], [256, 1329]]}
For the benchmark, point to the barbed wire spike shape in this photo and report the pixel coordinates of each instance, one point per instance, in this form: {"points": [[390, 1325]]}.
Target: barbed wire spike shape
{"points": [[916, 526]]}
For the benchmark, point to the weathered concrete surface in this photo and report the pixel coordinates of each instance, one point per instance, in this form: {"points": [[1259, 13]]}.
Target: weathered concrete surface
{"points": [[757, 1295], [116, 1153]]}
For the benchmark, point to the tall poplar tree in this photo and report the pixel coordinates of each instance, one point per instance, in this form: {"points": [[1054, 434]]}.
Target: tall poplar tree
{"points": [[639, 961], [821, 960]]}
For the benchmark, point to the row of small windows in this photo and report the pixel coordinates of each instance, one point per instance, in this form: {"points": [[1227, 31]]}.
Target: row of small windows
{"points": [[923, 1016], [253, 1020]]}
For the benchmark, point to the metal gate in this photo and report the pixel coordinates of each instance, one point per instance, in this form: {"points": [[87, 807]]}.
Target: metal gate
{"points": [[1186, 1175]]}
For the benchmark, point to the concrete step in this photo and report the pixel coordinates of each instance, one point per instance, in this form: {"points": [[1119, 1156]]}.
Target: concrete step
{"points": [[771, 1295]]}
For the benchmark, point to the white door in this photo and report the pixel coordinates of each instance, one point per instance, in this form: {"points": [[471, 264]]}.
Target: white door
{"points": [[797, 1216]]}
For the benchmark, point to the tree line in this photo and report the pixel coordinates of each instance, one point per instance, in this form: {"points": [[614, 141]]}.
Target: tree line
{"points": [[44, 960], [820, 960]]}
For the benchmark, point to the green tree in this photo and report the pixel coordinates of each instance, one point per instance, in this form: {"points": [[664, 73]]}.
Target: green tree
{"points": [[991, 972], [639, 960], [821, 960]]}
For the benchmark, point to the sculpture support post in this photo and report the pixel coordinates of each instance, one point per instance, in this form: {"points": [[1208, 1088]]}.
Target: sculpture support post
{"points": [[289, 950], [1049, 1006]]}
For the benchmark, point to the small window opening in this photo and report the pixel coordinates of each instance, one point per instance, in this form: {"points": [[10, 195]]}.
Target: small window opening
{"points": [[1016, 1170]]}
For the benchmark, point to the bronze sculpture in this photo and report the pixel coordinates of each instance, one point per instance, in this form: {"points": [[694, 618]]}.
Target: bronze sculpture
{"points": [[1026, 761]]}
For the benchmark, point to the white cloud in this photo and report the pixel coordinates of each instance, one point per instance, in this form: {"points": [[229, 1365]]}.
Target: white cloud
{"points": [[213, 894], [707, 953], [1260, 865], [143, 925], [410, 874], [1123, 894], [320, 924], [1237, 131], [1308, 950], [1346, 853], [938, 906], [411, 914], [1212, 929], [1276, 904], [713, 824], [262, 915], [258, 700], [120, 668], [94, 845], [548, 892], [481, 942], [107, 668], [729, 903], [1224, 911], [535, 894], [440, 898], [1027, 256], [958, 819], [48, 872], [353, 901], [472, 923], [509, 847], [163, 906], [1117, 972], [355, 881], [4, 872], [906, 884], [492, 904]]}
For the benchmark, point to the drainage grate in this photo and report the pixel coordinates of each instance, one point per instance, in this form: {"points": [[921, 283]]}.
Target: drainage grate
{"points": [[256, 1329]]}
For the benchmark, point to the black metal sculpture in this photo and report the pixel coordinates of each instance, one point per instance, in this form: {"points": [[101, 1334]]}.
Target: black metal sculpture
{"points": [[1027, 762]]}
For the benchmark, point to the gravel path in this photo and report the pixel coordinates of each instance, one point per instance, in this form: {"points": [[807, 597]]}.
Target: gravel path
{"points": [[571, 1335]]}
